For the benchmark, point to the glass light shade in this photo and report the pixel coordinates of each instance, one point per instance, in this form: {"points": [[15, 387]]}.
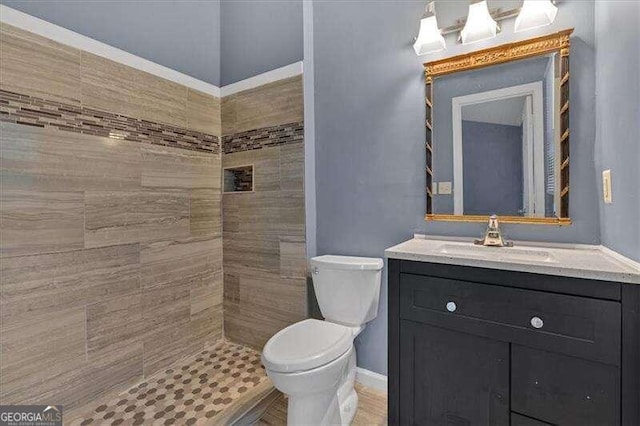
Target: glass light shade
{"points": [[429, 38], [480, 25], [534, 14]]}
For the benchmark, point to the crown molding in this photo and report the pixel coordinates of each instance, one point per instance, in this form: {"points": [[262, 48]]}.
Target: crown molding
{"points": [[70, 38]]}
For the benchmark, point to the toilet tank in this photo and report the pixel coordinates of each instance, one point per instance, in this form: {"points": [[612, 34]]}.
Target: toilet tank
{"points": [[347, 288]]}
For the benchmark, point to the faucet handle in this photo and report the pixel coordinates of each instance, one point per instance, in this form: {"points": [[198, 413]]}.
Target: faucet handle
{"points": [[493, 222], [493, 235]]}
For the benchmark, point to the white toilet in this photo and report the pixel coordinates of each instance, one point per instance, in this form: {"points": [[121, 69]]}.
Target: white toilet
{"points": [[314, 362]]}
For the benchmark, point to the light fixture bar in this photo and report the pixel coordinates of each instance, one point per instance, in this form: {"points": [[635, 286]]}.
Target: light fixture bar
{"points": [[497, 15]]}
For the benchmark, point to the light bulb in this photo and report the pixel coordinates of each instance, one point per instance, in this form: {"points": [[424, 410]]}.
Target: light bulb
{"points": [[480, 25], [534, 14], [430, 38]]}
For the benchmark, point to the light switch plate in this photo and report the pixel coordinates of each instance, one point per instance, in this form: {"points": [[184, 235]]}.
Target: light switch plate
{"points": [[444, 188], [606, 187]]}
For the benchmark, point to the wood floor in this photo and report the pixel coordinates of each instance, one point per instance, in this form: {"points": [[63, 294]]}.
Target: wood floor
{"points": [[372, 409]]}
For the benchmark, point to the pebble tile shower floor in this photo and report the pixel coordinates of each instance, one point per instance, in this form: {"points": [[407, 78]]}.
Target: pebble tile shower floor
{"points": [[194, 391]]}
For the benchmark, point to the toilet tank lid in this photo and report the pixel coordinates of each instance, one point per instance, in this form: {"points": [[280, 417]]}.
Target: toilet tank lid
{"points": [[347, 262]]}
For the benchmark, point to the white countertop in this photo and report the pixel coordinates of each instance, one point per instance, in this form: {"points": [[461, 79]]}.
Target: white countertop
{"points": [[570, 260]]}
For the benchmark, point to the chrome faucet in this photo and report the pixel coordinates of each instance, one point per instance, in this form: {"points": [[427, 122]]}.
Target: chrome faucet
{"points": [[493, 235]]}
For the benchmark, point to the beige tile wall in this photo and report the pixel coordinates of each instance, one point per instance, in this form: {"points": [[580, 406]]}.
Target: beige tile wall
{"points": [[275, 103], [111, 251], [264, 230], [37, 66]]}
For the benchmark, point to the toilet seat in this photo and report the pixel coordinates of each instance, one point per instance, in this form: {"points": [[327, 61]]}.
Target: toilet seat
{"points": [[306, 345]]}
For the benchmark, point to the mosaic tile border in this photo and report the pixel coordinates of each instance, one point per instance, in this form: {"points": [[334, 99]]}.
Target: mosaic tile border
{"points": [[264, 137], [33, 111]]}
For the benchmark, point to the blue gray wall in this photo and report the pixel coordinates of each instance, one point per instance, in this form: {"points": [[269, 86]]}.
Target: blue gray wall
{"points": [[180, 34], [369, 138], [369, 119], [258, 36], [492, 165], [618, 136]]}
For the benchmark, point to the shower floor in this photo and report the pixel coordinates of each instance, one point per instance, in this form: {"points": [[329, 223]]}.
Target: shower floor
{"points": [[207, 388]]}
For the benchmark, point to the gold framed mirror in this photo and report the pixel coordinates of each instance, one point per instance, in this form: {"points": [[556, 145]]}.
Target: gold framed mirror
{"points": [[497, 133]]}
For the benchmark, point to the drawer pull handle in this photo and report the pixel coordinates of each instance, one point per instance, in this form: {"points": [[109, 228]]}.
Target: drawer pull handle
{"points": [[451, 306], [536, 322]]}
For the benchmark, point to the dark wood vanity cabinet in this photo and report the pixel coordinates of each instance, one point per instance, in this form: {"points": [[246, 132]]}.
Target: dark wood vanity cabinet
{"points": [[474, 346]]}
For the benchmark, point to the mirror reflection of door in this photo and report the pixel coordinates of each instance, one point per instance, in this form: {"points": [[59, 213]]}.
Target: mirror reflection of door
{"points": [[499, 158], [495, 136]]}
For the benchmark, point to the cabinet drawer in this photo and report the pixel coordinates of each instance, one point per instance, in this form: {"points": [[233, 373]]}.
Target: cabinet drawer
{"points": [[574, 325], [564, 390]]}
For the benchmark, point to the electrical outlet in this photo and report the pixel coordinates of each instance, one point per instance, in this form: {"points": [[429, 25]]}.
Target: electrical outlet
{"points": [[606, 187], [444, 188]]}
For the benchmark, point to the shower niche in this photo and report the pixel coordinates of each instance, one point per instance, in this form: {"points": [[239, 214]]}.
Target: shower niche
{"points": [[238, 179]]}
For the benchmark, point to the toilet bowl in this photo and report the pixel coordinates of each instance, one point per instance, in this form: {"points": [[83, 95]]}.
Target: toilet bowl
{"points": [[313, 361]]}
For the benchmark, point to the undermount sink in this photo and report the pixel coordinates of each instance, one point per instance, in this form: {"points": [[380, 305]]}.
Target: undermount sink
{"points": [[516, 254]]}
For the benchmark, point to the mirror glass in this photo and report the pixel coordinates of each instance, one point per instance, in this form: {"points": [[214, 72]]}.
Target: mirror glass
{"points": [[496, 133]]}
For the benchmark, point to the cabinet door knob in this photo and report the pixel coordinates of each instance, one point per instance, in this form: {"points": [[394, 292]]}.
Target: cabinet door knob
{"points": [[451, 306], [536, 322]]}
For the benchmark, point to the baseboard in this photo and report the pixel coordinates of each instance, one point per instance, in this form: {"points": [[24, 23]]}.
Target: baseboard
{"points": [[371, 379]]}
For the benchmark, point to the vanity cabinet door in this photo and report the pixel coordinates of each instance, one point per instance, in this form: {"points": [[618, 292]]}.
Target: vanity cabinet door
{"points": [[451, 378], [564, 390]]}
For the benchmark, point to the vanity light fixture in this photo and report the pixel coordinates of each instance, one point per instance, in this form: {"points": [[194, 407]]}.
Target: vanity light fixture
{"points": [[429, 38], [480, 25], [534, 14]]}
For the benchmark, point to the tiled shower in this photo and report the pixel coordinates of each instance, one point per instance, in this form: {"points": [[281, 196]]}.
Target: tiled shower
{"points": [[264, 231], [122, 260]]}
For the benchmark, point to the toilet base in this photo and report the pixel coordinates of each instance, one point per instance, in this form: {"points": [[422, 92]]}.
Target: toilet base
{"points": [[334, 406], [347, 396]]}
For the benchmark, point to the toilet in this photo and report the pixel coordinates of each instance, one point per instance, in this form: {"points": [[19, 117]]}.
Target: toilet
{"points": [[313, 362]]}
